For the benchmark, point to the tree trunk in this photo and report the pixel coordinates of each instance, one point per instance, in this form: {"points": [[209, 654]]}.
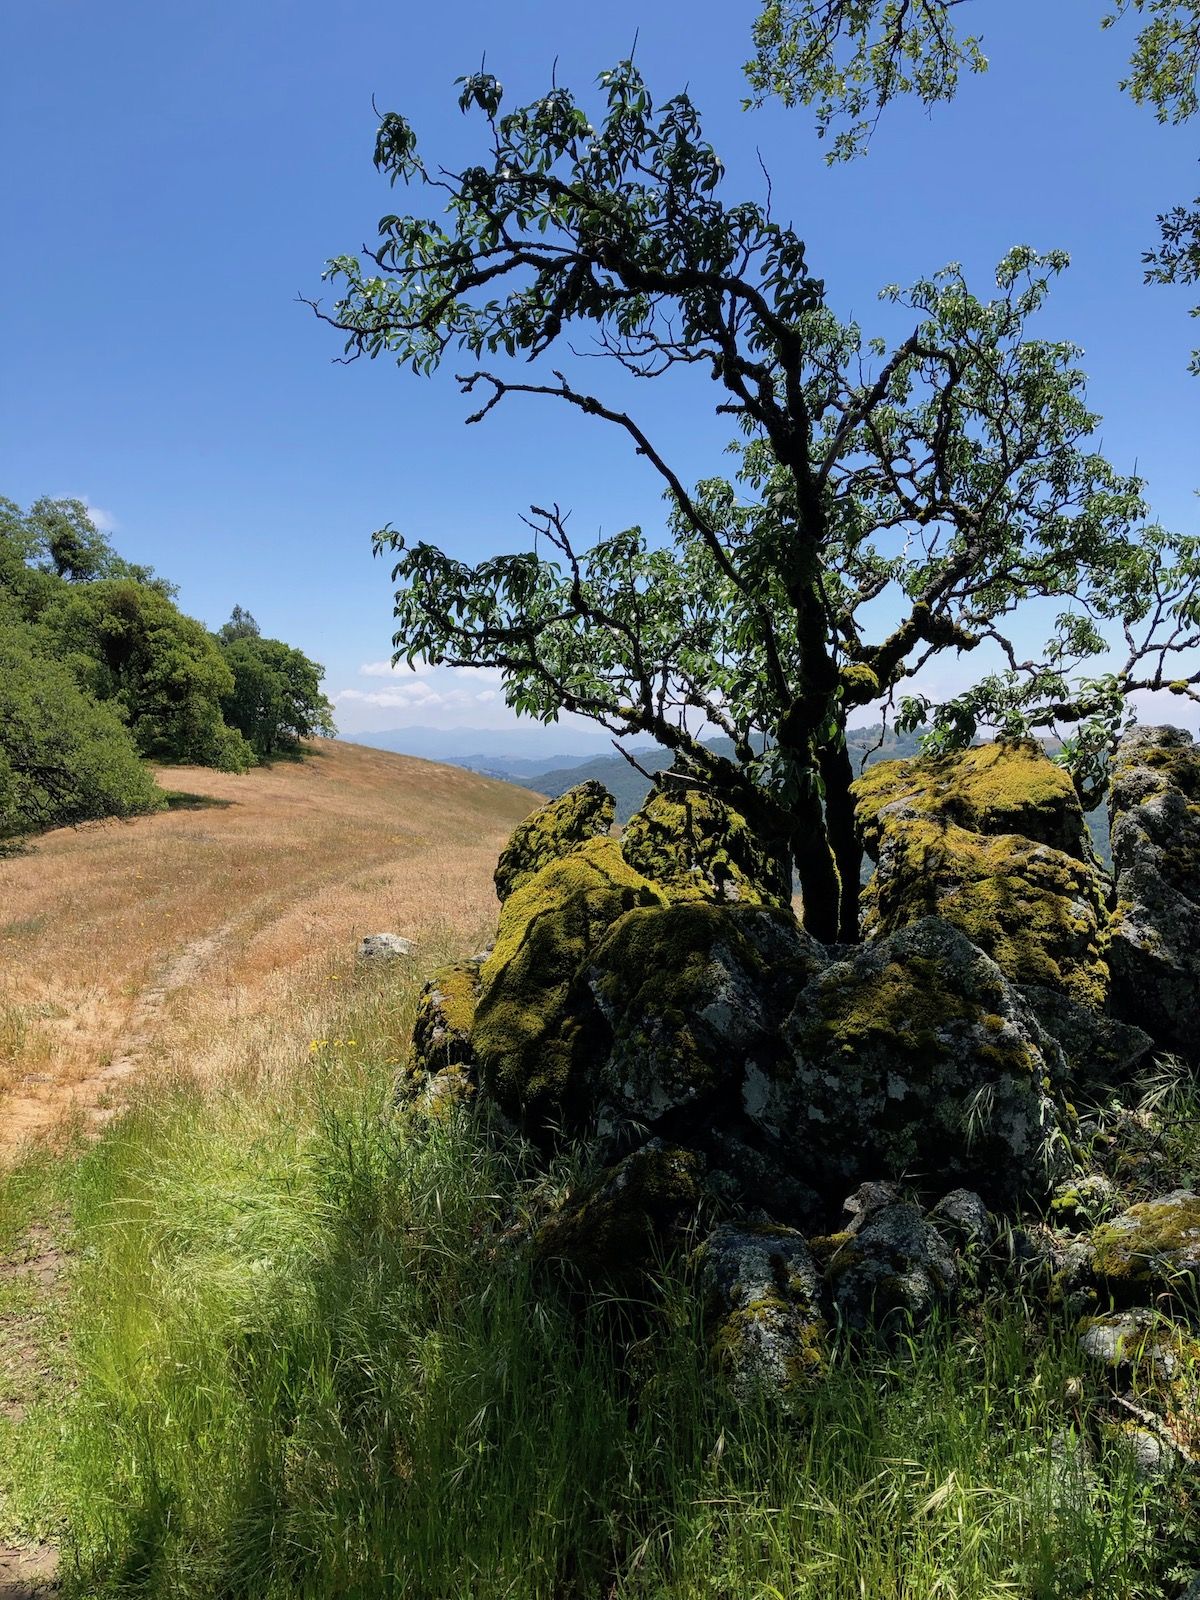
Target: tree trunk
{"points": [[837, 772], [819, 883]]}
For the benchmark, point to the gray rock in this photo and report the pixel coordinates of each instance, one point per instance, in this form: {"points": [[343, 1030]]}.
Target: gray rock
{"points": [[385, 947], [1154, 953], [690, 993], [868, 1198], [894, 1270], [764, 1287], [964, 1221], [1152, 1457], [1100, 1051], [915, 1055], [1134, 1339]]}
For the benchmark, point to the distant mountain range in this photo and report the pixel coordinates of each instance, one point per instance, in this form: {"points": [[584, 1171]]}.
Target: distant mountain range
{"points": [[498, 753]]}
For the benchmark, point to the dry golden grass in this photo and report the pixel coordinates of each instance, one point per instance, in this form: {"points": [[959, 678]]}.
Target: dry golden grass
{"points": [[184, 940]]}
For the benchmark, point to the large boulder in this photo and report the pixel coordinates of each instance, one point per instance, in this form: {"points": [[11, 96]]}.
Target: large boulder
{"points": [[553, 831], [993, 840], [529, 1040], [690, 994], [1154, 804], [698, 847], [914, 1055]]}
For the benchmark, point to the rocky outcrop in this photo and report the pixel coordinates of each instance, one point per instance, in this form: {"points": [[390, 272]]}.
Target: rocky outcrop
{"points": [[690, 995], [528, 1039], [914, 1055], [1154, 805], [993, 840], [553, 831], [697, 847]]}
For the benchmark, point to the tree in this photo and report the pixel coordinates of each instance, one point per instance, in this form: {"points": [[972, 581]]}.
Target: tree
{"points": [[241, 625], [129, 644], [889, 505], [276, 698], [64, 759], [850, 58]]}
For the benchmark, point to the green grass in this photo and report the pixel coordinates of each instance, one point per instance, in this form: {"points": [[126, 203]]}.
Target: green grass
{"points": [[307, 1358]]}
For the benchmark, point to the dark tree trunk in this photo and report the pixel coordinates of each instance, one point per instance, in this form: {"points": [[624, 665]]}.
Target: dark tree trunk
{"points": [[837, 771]]}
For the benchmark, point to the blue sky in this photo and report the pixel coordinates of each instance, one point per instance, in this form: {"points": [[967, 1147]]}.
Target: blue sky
{"points": [[174, 177]]}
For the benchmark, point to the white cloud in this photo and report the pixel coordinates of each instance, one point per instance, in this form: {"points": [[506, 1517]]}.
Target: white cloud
{"points": [[103, 520], [406, 696], [385, 669]]}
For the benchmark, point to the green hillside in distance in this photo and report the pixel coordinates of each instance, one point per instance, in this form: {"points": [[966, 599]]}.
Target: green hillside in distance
{"points": [[629, 787]]}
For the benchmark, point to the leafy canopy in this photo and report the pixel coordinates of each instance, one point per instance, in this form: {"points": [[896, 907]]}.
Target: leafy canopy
{"points": [[849, 58], [888, 503]]}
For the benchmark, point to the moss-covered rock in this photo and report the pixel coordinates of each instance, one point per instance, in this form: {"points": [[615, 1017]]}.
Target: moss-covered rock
{"points": [[691, 992], [615, 1229], [529, 1041], [553, 831], [1153, 1247], [994, 841], [698, 847], [1154, 805], [1009, 787], [762, 1288], [913, 1055], [445, 1016]]}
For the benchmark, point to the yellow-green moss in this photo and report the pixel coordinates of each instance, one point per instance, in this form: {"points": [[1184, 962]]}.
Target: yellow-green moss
{"points": [[1038, 912], [552, 831], [859, 684], [699, 848], [524, 1040], [1148, 1243], [445, 1015], [1003, 788]]}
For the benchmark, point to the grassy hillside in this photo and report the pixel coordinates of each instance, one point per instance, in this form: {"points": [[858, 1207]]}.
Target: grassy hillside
{"points": [[130, 945]]}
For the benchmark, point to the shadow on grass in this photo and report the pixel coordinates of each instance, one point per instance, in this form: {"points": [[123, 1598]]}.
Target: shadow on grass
{"points": [[180, 800]]}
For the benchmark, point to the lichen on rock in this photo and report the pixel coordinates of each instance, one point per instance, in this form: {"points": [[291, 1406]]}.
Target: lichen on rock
{"points": [[445, 1016], [698, 847], [690, 993], [913, 1055], [890, 1267], [553, 831], [762, 1285], [992, 839], [527, 1038], [1154, 1245], [1154, 805]]}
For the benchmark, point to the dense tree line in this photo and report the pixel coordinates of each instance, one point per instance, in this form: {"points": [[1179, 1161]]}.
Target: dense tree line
{"points": [[100, 671]]}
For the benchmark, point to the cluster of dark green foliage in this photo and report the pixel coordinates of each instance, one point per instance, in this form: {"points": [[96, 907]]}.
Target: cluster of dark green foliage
{"points": [[99, 670], [276, 698]]}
